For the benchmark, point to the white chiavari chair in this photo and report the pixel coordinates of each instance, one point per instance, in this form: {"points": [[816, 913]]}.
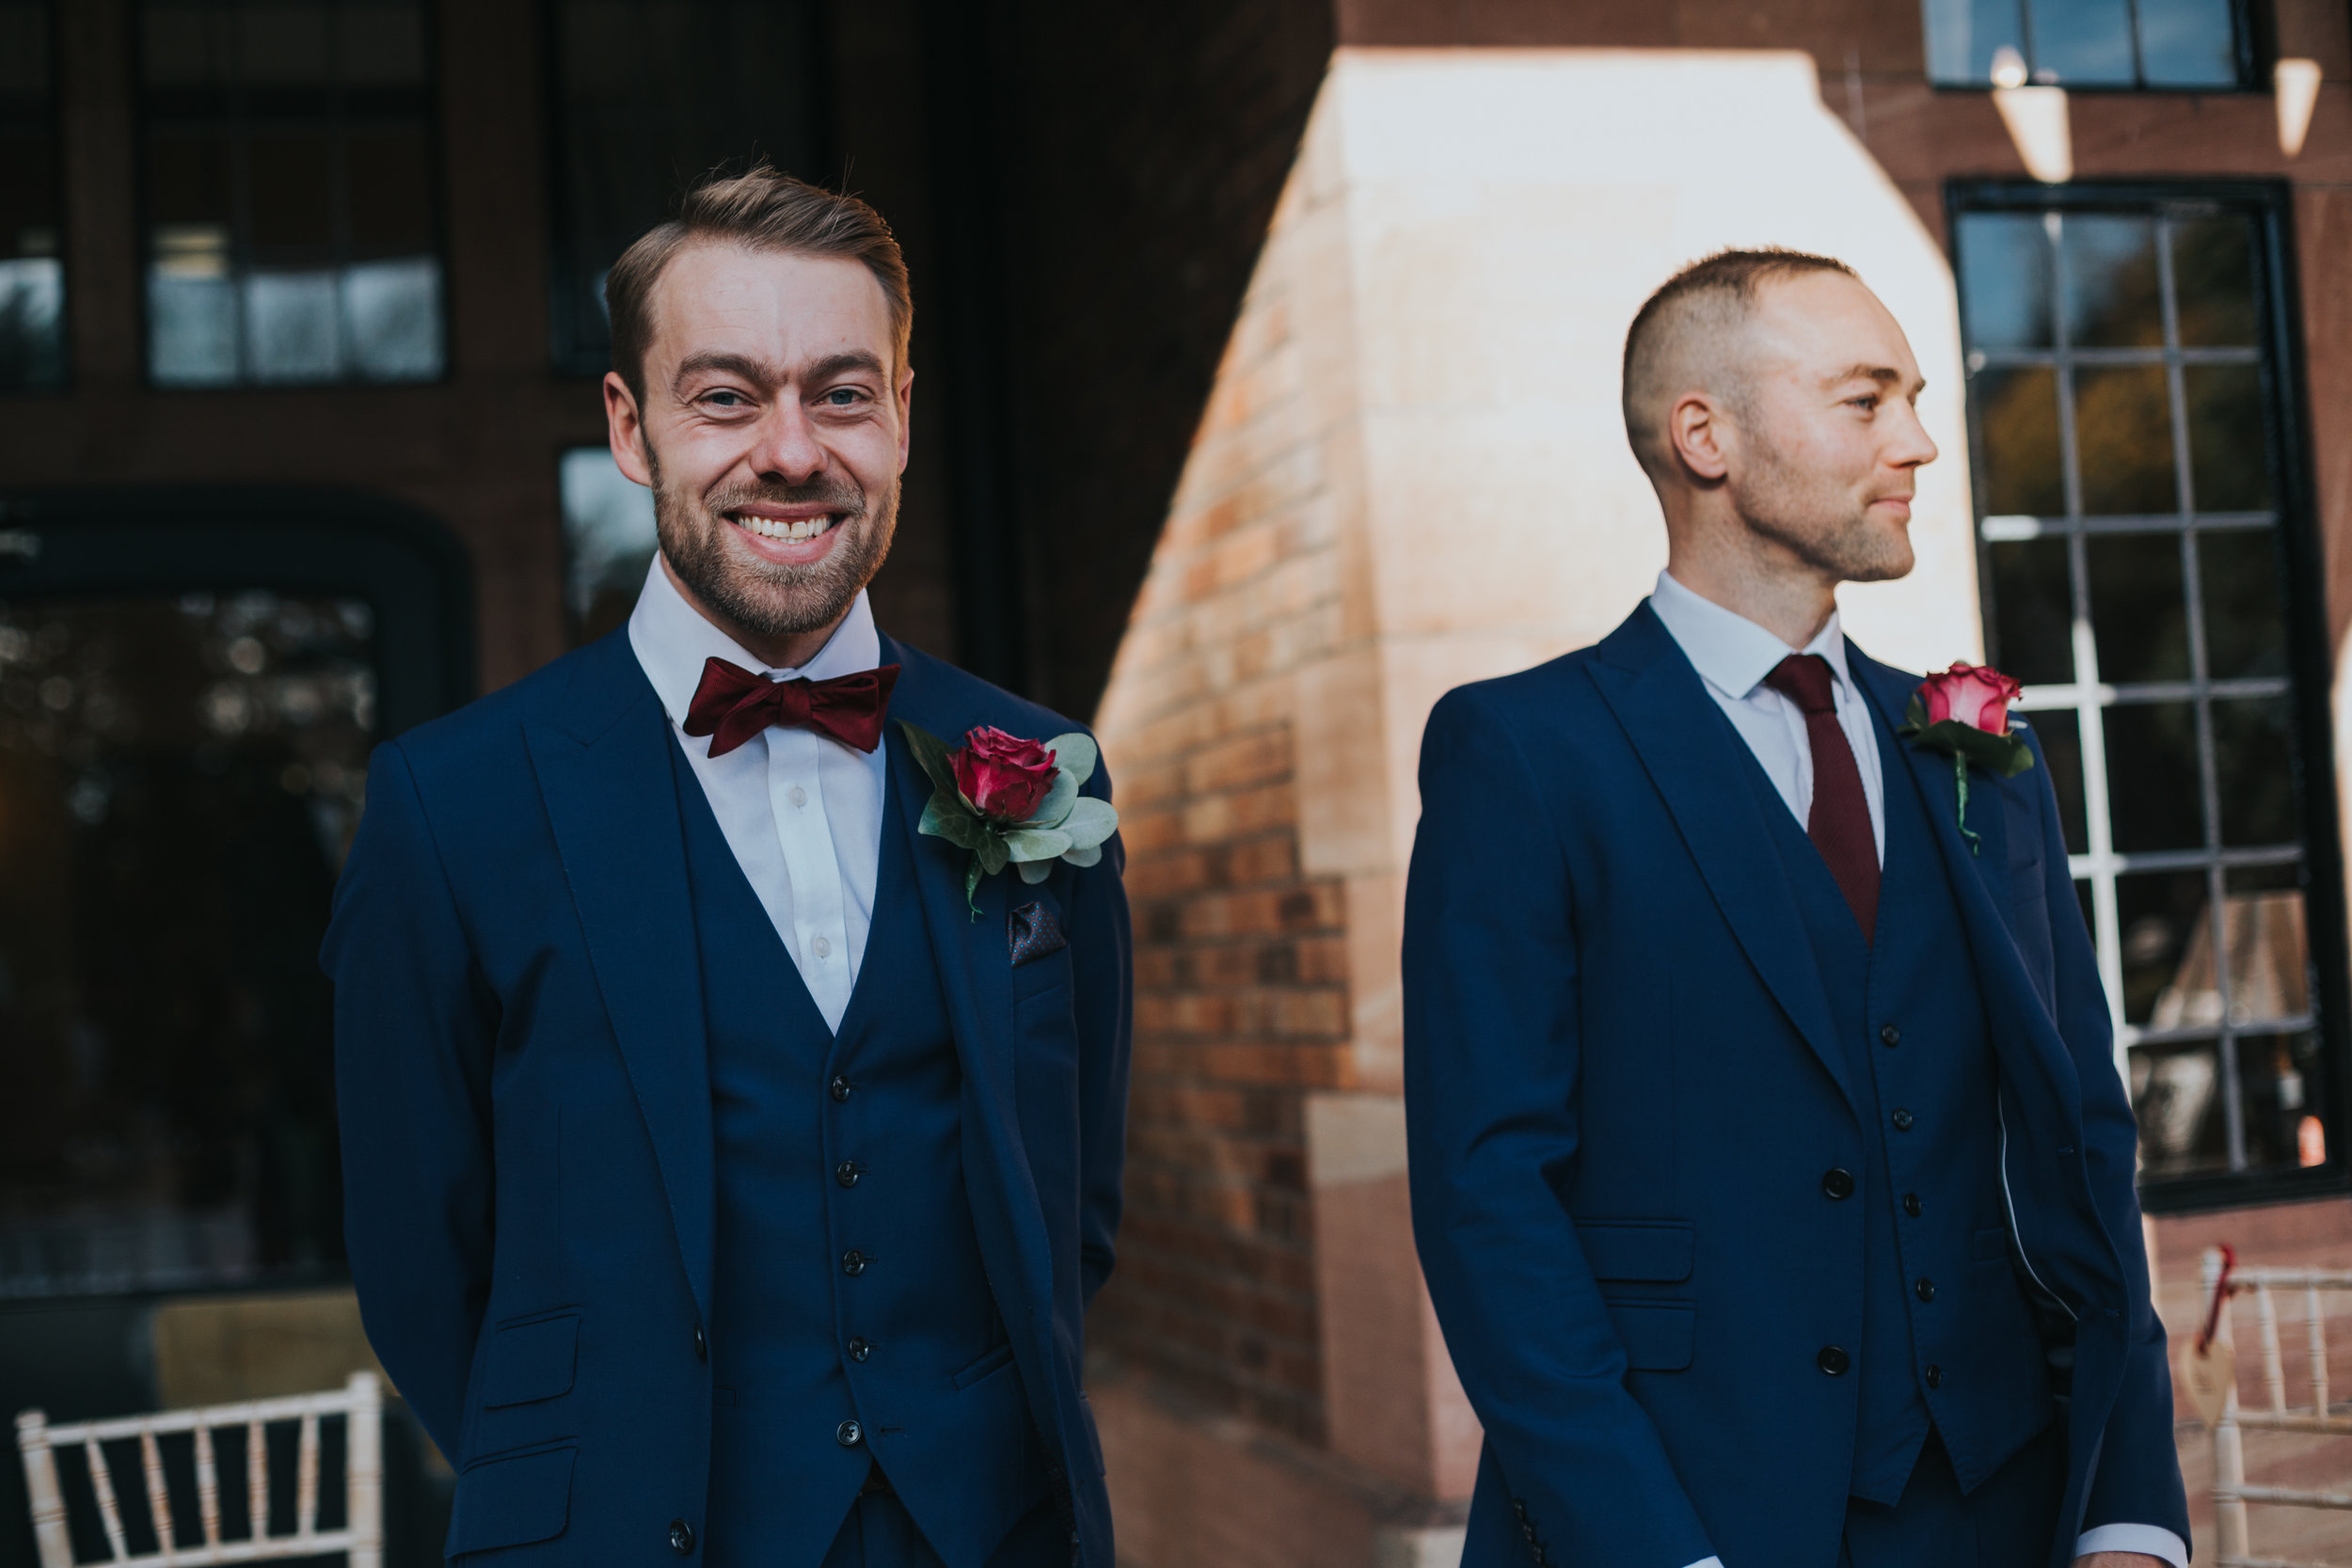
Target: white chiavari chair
{"points": [[2308, 1288]]}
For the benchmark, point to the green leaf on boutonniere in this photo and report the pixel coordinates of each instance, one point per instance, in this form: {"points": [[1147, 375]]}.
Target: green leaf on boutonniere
{"points": [[930, 755], [2005, 755], [1064, 826]]}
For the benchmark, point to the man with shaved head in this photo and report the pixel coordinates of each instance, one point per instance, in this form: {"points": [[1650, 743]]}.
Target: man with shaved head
{"points": [[1771, 1171]]}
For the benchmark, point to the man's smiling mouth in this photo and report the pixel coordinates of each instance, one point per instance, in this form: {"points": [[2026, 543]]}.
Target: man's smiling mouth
{"points": [[790, 530]]}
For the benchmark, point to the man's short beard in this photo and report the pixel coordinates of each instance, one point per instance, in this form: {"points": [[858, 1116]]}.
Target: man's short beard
{"points": [[1777, 504], [766, 598]]}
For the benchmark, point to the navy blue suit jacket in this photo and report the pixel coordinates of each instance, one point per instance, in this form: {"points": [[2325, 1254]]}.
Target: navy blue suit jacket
{"points": [[526, 1098], [1612, 1015]]}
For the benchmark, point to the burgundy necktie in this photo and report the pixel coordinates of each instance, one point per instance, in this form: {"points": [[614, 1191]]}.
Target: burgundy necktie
{"points": [[732, 705], [1840, 823]]}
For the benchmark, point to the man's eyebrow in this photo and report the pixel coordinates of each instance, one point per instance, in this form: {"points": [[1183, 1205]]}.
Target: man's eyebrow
{"points": [[731, 364], [846, 363], [1885, 375]]}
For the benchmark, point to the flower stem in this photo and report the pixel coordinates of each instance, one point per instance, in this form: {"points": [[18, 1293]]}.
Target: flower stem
{"points": [[1959, 777]]}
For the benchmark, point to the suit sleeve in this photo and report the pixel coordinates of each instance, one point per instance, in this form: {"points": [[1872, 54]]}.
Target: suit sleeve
{"points": [[1102, 978], [414, 1030], [1492, 1054], [2138, 1477]]}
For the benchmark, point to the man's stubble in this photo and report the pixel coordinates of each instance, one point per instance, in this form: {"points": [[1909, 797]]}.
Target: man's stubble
{"points": [[1814, 519], [769, 599]]}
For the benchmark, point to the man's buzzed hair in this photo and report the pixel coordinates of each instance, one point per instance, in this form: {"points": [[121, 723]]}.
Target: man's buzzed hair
{"points": [[1687, 335]]}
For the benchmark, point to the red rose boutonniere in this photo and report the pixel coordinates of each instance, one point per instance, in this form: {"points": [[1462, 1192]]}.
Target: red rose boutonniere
{"points": [[1963, 713], [1012, 802]]}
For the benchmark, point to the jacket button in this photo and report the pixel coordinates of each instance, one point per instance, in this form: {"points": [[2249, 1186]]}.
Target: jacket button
{"points": [[860, 1350], [854, 1263], [1935, 1377], [1925, 1289], [702, 1344], [848, 1434], [1833, 1361], [1889, 1035], [1911, 1204], [681, 1537], [1837, 1185], [840, 1089], [1901, 1118], [847, 1173]]}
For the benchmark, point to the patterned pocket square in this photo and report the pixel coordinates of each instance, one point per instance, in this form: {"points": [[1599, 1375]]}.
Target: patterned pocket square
{"points": [[1033, 931]]}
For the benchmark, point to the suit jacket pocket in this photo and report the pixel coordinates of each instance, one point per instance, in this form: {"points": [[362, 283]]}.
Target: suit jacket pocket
{"points": [[1659, 1336], [531, 1361], [1654, 1251], [995, 1360], [512, 1502]]}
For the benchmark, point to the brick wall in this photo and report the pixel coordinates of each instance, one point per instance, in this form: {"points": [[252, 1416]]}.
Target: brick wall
{"points": [[1241, 1002]]}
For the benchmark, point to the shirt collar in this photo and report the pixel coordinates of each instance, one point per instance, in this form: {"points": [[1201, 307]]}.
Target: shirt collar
{"points": [[1731, 653], [673, 639]]}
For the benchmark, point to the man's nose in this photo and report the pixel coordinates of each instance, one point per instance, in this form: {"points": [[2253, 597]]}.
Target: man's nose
{"points": [[788, 450], [1914, 447]]}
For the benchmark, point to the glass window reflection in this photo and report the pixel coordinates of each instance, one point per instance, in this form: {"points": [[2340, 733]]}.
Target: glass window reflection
{"points": [[2179, 44], [32, 272], [608, 541]]}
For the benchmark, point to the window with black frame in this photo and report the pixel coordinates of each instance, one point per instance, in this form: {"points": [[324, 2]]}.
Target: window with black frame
{"points": [[290, 192], [649, 96], [2141, 541], [32, 276], [2191, 45]]}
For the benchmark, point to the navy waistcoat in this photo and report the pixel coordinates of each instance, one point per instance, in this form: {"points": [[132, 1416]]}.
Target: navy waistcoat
{"points": [[1948, 1337], [851, 1318]]}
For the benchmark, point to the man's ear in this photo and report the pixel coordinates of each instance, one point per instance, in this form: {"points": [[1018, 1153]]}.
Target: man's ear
{"points": [[905, 393], [624, 430], [1695, 429]]}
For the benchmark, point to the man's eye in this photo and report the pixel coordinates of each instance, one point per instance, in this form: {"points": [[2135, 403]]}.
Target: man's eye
{"points": [[1866, 402], [725, 400], [842, 397]]}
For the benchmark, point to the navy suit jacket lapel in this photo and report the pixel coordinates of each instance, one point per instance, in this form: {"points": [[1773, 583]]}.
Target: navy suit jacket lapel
{"points": [[604, 770], [975, 969], [1687, 747], [2023, 1034]]}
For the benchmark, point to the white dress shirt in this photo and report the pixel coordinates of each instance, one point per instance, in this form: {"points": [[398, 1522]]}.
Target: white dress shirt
{"points": [[1733, 655], [803, 811]]}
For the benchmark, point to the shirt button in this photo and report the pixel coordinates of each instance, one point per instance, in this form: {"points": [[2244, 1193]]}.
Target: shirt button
{"points": [[1911, 1204], [840, 1089], [823, 947], [1925, 1290], [848, 1434], [859, 1351], [847, 1173], [1901, 1118], [681, 1537], [798, 796], [1889, 1035], [1833, 1361], [854, 1263]]}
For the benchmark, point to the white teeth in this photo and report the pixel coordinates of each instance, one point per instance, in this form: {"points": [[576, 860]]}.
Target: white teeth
{"points": [[790, 532]]}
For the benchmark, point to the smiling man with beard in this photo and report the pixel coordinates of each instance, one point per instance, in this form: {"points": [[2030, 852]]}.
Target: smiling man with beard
{"points": [[1771, 1170], [731, 1146]]}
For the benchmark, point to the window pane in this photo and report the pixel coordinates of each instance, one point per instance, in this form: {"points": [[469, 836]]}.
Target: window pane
{"points": [[191, 329], [649, 94], [2124, 441], [2269, 944], [2187, 43], [608, 541], [32, 275], [2212, 278], [2005, 280], [293, 177], [2176, 1094], [391, 179], [2061, 733], [2017, 417], [289, 325], [2138, 606], [2162, 916], [282, 44], [2229, 460], [2082, 42], [2033, 616], [2155, 796], [1962, 35], [381, 46], [2283, 1084], [2245, 614], [2253, 745], [393, 314], [2111, 286], [179, 782]]}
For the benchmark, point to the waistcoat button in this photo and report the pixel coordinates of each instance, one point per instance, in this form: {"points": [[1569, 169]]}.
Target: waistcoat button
{"points": [[1935, 1377], [860, 1350], [1926, 1289], [1911, 1204], [1837, 1184], [1889, 1035], [681, 1537], [848, 1434], [840, 1089], [854, 1263], [1901, 1118], [1833, 1361], [847, 1173]]}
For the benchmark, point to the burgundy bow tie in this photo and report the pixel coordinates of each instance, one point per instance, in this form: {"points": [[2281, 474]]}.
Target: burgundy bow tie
{"points": [[732, 705]]}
